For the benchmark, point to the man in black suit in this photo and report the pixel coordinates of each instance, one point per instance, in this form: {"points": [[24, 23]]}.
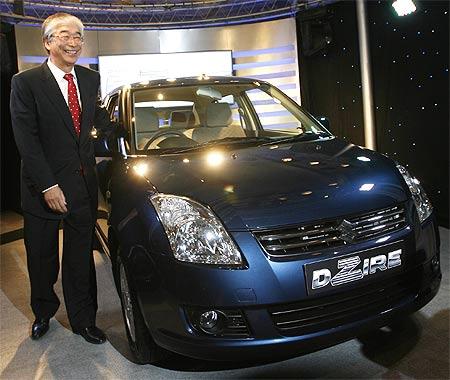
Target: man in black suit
{"points": [[53, 109]]}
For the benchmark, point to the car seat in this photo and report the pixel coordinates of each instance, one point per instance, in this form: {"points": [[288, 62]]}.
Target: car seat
{"points": [[146, 122], [182, 119], [218, 124]]}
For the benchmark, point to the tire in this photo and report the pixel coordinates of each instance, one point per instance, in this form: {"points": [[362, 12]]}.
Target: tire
{"points": [[140, 340]]}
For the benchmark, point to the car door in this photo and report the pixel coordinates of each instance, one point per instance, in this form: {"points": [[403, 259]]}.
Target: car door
{"points": [[104, 166]]}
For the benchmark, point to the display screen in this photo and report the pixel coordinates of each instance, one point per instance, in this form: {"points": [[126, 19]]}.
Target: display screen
{"points": [[117, 70]]}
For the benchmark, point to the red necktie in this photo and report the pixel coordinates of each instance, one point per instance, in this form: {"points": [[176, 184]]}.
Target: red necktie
{"points": [[74, 106]]}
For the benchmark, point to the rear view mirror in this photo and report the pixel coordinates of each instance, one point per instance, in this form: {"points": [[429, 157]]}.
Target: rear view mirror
{"points": [[209, 92]]}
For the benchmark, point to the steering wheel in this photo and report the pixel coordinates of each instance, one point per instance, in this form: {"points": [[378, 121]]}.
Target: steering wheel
{"points": [[162, 133]]}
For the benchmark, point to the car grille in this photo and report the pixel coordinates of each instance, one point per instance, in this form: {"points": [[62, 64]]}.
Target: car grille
{"points": [[332, 311], [235, 326], [308, 238]]}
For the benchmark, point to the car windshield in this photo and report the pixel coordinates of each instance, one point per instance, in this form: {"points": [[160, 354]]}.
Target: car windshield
{"points": [[180, 118]]}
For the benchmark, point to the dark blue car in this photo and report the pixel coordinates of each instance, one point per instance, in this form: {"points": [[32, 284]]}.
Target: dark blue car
{"points": [[239, 227]]}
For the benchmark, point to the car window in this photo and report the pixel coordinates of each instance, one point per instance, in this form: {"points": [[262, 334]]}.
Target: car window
{"points": [[275, 113], [272, 115], [178, 117], [113, 108], [237, 113], [159, 117]]}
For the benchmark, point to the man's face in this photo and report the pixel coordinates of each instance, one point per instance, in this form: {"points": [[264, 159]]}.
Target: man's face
{"points": [[65, 46]]}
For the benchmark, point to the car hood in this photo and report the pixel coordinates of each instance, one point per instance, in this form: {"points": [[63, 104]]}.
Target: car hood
{"points": [[286, 184]]}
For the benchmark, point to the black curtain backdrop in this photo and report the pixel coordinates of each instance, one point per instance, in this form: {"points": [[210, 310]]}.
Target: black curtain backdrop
{"points": [[10, 160], [410, 61]]}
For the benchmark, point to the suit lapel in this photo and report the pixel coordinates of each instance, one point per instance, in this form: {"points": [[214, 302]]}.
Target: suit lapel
{"points": [[53, 92]]}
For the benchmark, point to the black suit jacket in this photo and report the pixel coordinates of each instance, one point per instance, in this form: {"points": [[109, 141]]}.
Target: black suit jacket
{"points": [[51, 151]]}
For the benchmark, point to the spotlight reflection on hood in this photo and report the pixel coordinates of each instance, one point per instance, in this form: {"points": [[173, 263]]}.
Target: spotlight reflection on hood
{"points": [[214, 158], [366, 187], [141, 168]]}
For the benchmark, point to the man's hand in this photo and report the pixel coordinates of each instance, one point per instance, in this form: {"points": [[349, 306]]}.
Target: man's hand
{"points": [[56, 200]]}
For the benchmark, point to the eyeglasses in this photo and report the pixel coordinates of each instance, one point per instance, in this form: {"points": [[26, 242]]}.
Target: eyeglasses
{"points": [[67, 37]]}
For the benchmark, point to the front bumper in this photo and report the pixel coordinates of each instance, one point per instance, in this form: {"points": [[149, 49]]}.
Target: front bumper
{"points": [[164, 301], [270, 344]]}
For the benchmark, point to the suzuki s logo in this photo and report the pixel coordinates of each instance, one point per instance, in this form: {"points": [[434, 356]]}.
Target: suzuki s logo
{"points": [[346, 232], [350, 269]]}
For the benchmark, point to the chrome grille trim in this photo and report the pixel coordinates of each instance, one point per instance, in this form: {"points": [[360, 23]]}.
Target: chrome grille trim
{"points": [[376, 217], [375, 228], [295, 234], [296, 245], [299, 240]]}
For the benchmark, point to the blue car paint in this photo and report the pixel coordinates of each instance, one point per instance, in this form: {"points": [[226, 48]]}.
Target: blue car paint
{"points": [[256, 174], [257, 188], [267, 192]]}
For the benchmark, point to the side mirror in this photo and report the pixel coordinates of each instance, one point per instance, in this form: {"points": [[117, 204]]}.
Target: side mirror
{"points": [[324, 121], [106, 140], [101, 144]]}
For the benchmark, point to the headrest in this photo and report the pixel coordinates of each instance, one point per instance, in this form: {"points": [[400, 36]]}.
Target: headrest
{"points": [[218, 115], [146, 119], [182, 119]]}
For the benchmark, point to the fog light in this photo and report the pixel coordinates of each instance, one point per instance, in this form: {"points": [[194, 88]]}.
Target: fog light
{"points": [[211, 322], [208, 320], [220, 323]]}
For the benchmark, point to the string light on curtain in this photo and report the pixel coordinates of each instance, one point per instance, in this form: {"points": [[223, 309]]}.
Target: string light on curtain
{"points": [[404, 7]]}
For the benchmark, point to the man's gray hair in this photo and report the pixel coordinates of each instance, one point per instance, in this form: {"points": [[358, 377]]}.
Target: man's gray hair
{"points": [[51, 23]]}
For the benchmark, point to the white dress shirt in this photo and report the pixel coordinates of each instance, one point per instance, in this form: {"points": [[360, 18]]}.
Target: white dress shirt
{"points": [[62, 83], [64, 87]]}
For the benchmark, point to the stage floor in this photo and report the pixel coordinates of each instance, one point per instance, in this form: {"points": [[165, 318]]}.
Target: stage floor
{"points": [[418, 348]]}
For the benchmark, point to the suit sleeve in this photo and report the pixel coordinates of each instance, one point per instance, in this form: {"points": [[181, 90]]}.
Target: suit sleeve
{"points": [[26, 133]]}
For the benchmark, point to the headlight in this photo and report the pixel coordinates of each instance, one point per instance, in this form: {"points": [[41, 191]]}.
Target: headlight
{"points": [[423, 204], [195, 234]]}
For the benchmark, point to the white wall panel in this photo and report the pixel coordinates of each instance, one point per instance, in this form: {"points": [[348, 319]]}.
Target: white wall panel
{"points": [[126, 42], [267, 50]]}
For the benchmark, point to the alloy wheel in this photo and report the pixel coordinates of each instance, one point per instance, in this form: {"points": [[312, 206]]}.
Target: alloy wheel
{"points": [[127, 303]]}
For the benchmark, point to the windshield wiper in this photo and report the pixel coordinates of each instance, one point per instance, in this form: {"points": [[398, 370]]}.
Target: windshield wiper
{"points": [[226, 141], [300, 137]]}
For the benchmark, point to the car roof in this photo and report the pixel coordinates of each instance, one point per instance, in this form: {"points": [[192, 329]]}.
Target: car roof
{"points": [[185, 81]]}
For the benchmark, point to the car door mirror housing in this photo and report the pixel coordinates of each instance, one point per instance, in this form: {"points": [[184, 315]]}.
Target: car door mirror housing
{"points": [[102, 145], [106, 140]]}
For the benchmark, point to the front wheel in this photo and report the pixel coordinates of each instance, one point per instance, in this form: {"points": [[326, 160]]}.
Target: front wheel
{"points": [[141, 342]]}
